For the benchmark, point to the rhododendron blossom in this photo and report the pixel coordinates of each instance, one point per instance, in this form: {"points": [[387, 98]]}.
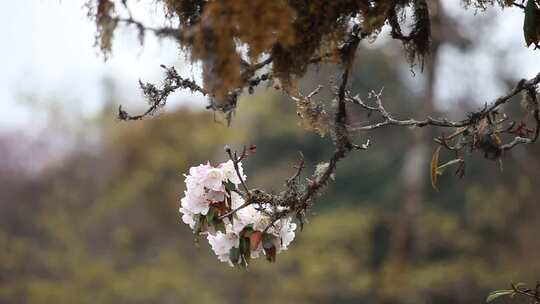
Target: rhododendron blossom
{"points": [[237, 232]]}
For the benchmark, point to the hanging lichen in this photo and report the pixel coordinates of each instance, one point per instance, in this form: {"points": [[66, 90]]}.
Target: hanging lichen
{"points": [[229, 37]]}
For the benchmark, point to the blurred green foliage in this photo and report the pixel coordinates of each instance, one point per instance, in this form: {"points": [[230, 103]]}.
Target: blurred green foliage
{"points": [[102, 227]]}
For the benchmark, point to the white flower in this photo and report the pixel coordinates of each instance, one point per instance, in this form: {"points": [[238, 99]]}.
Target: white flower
{"points": [[251, 216], [194, 187], [286, 232], [200, 172], [222, 243], [215, 196], [230, 172], [195, 204], [248, 215], [194, 181], [206, 186], [188, 217], [236, 200], [204, 176], [214, 179]]}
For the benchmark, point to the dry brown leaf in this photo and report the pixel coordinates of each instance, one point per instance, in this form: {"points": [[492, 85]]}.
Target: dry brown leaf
{"points": [[434, 168], [255, 239]]}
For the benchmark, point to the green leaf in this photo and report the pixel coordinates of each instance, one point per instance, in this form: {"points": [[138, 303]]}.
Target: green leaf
{"points": [[219, 226], [247, 231], [245, 246], [244, 251], [199, 224], [230, 186], [531, 24], [498, 293], [246, 258], [234, 255], [211, 215]]}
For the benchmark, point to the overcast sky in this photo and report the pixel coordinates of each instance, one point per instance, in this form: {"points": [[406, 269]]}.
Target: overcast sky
{"points": [[47, 52]]}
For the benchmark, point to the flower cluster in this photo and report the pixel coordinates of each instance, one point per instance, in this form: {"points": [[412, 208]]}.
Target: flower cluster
{"points": [[235, 237]]}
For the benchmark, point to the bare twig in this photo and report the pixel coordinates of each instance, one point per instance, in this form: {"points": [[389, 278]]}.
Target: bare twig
{"points": [[298, 167], [342, 141], [164, 31], [389, 120], [235, 159], [244, 205], [157, 97]]}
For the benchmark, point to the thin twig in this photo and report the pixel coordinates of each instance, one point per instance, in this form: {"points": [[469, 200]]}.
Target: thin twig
{"points": [[299, 168], [235, 161], [389, 120], [244, 205], [158, 96]]}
